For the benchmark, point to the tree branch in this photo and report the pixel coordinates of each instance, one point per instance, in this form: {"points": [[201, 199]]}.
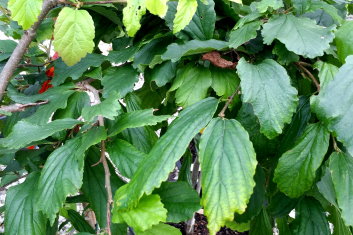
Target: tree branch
{"points": [[19, 107], [13, 181], [22, 46], [103, 159], [230, 99]]}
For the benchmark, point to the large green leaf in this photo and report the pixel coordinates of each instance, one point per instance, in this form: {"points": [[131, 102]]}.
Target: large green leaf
{"points": [[63, 171], [310, 218], [180, 199], [176, 51], [261, 224], [339, 228], [62, 71], [125, 156], [228, 163], [73, 35], [75, 104], [160, 229], [333, 105], [93, 185], [22, 216], [24, 133], [133, 13], [224, 81], [148, 212], [185, 11], [192, 83], [25, 12], [109, 108], [327, 72], [161, 74], [136, 118], [79, 222], [119, 80], [344, 40], [244, 34], [341, 167], [170, 147], [267, 87], [300, 35], [263, 5], [296, 169]]}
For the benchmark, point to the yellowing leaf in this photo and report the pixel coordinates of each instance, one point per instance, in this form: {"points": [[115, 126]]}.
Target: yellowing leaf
{"points": [[157, 7], [25, 12], [73, 35], [185, 11]]}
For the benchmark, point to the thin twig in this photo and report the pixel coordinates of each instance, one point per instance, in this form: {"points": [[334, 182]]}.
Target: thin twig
{"points": [[34, 65], [13, 181], [230, 99], [103, 158], [312, 77], [22, 46], [304, 64], [335, 146], [12, 108]]}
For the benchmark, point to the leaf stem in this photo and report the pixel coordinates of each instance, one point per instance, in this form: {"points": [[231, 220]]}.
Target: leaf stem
{"points": [[230, 99], [312, 77]]}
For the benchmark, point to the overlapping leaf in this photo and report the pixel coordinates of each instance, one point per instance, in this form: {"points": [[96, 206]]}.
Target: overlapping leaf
{"points": [[267, 87], [300, 35], [25, 12], [344, 40], [244, 34], [170, 147], [228, 163], [63, 171], [296, 169], [185, 11]]}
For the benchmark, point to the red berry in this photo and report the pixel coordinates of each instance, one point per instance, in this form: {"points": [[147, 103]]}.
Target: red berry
{"points": [[55, 56], [31, 147], [45, 86], [50, 72]]}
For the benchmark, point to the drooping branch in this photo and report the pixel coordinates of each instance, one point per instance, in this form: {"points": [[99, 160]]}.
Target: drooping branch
{"points": [[22, 46], [103, 159], [19, 107]]}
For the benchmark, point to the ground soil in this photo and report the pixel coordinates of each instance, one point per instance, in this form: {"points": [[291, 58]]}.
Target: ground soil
{"points": [[200, 227]]}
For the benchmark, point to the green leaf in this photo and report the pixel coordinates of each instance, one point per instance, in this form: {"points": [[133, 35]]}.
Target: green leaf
{"points": [[296, 169], [132, 15], [180, 200], [310, 218], [192, 83], [285, 57], [160, 229], [263, 85], [148, 212], [326, 188], [300, 35], [79, 222], [185, 11], [169, 148], [25, 12], [122, 55], [176, 51], [327, 72], [281, 205], [244, 34], [93, 185], [24, 133], [228, 163], [109, 108], [22, 216], [161, 74], [263, 5], [224, 81], [261, 224], [333, 105], [157, 7], [125, 156], [239, 227], [63, 171], [75, 104], [119, 80], [341, 167], [344, 40], [136, 118], [63, 71], [73, 35], [339, 228]]}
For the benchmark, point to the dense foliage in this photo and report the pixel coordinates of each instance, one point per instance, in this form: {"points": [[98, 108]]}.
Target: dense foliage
{"points": [[243, 109]]}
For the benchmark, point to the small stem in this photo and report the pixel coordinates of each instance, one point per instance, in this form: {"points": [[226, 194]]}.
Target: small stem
{"points": [[230, 99], [103, 158], [20, 107], [335, 147], [312, 77], [13, 181]]}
